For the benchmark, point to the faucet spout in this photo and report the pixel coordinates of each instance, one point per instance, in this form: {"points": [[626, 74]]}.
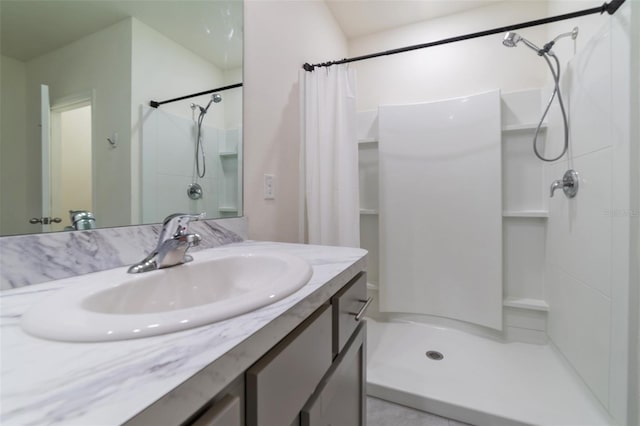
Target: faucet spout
{"points": [[173, 243], [174, 251]]}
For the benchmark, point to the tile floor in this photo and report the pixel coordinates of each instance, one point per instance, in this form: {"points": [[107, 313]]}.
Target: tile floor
{"points": [[383, 413]]}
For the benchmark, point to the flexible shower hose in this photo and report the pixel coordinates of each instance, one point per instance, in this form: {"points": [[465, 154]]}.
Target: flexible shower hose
{"points": [[556, 90]]}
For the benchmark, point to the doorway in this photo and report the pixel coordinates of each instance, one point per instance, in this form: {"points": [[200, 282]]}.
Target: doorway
{"points": [[70, 159]]}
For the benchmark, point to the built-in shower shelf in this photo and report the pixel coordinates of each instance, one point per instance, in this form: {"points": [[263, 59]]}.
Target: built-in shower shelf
{"points": [[228, 209], [368, 211], [367, 141], [525, 213], [228, 154], [526, 303], [524, 126]]}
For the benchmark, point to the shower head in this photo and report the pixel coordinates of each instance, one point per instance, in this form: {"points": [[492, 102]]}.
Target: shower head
{"points": [[215, 98], [511, 39]]}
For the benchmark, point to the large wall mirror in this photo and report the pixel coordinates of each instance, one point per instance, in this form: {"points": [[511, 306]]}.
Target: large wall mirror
{"points": [[78, 139]]}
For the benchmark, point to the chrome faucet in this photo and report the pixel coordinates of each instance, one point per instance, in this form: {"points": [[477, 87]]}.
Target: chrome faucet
{"points": [[173, 243]]}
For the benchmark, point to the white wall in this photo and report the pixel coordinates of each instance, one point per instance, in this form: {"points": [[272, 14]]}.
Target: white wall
{"points": [[232, 99], [453, 70], [279, 37], [634, 299], [105, 65], [161, 69], [18, 203], [588, 238], [74, 185]]}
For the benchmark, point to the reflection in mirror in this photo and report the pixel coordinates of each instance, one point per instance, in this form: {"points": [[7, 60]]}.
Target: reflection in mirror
{"points": [[77, 136]]}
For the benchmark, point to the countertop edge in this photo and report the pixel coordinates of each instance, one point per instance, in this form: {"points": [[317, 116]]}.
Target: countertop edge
{"points": [[180, 403]]}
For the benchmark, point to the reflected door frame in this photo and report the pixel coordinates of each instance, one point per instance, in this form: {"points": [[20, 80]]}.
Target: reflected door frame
{"points": [[53, 120]]}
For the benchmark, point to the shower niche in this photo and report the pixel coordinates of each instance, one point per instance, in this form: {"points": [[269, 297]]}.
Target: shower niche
{"points": [[524, 214], [230, 174]]}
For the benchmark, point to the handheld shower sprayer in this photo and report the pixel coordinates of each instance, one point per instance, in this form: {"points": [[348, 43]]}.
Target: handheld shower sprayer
{"points": [[511, 39], [215, 98]]}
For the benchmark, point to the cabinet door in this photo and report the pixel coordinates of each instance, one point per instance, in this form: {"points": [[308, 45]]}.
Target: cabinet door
{"points": [[225, 412], [281, 382], [340, 397]]}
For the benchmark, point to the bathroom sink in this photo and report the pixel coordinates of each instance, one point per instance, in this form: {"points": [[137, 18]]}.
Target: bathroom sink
{"points": [[117, 306]]}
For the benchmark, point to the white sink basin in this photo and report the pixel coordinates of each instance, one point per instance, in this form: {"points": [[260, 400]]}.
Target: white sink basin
{"points": [[115, 305]]}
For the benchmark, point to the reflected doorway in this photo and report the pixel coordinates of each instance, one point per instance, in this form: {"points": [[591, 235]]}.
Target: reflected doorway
{"points": [[70, 160]]}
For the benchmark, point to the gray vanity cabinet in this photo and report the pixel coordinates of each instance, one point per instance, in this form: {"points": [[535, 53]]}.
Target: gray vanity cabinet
{"points": [[340, 397], [225, 409], [226, 412], [314, 376], [347, 303], [280, 383]]}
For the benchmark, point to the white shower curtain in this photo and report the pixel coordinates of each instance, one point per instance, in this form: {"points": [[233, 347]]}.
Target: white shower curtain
{"points": [[329, 157]]}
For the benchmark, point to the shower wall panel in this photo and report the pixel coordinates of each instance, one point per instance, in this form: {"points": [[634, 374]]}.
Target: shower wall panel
{"points": [[168, 166], [588, 237], [441, 209]]}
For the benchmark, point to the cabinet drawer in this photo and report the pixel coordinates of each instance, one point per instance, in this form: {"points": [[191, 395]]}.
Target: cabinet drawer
{"points": [[346, 303], [339, 400], [280, 383]]}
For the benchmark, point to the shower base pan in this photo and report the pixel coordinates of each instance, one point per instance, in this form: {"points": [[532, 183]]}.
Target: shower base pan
{"points": [[479, 380]]}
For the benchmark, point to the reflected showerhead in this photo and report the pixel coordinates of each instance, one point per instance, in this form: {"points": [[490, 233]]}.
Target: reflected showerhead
{"points": [[215, 98], [511, 39]]}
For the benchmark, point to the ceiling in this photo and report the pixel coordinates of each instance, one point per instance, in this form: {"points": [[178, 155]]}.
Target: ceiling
{"points": [[363, 17], [212, 29]]}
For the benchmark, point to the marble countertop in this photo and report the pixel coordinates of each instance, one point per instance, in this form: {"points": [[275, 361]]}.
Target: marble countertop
{"points": [[163, 377]]}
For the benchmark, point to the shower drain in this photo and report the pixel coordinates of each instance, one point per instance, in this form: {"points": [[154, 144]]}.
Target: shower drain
{"points": [[435, 355]]}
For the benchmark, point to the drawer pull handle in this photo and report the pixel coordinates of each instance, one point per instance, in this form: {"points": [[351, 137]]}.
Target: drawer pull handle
{"points": [[362, 310]]}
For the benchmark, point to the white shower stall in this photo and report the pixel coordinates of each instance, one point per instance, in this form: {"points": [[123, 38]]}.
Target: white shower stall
{"points": [[525, 296]]}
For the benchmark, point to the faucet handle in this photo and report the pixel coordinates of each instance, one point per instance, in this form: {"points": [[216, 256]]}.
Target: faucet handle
{"points": [[177, 224], [569, 184]]}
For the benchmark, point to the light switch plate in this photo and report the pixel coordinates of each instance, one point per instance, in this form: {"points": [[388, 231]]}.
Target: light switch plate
{"points": [[269, 187]]}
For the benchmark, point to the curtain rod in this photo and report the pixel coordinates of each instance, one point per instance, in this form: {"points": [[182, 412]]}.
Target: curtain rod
{"points": [[156, 104], [610, 8]]}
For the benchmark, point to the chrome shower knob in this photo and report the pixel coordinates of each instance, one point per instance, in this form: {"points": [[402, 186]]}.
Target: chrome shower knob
{"points": [[569, 184]]}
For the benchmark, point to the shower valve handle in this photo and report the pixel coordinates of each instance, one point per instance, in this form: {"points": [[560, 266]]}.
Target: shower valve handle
{"points": [[569, 184]]}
